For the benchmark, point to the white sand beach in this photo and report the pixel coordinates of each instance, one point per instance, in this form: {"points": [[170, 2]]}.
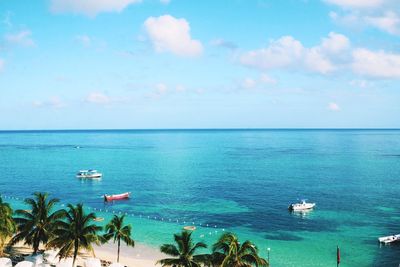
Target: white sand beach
{"points": [[139, 256]]}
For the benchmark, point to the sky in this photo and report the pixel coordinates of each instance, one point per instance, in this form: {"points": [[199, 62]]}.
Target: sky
{"points": [[136, 64]]}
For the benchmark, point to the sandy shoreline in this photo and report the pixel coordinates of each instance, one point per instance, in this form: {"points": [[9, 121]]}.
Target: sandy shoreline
{"points": [[139, 256]]}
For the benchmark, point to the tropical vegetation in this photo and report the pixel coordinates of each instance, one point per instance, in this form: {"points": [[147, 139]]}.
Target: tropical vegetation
{"points": [[36, 225], [117, 230], [7, 224], [75, 231], [72, 230], [183, 252], [229, 252]]}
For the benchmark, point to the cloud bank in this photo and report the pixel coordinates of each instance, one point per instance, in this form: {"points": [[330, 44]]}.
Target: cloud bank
{"points": [[380, 14], [289, 53], [333, 54]]}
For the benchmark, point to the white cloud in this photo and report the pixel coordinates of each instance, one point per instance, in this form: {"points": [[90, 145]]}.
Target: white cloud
{"points": [[169, 34], [378, 64], [83, 40], [388, 22], [22, 38], [335, 43], [380, 14], [333, 106], [289, 53], [53, 102], [1, 64], [334, 53], [361, 83], [98, 98], [90, 7], [248, 83], [265, 78], [161, 88], [315, 61], [356, 3], [280, 53], [180, 88], [257, 83], [165, 2]]}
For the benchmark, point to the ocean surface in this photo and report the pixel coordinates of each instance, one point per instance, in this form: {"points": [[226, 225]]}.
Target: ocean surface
{"points": [[226, 180]]}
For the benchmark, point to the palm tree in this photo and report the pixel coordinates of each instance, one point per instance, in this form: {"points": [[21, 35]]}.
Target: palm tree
{"points": [[35, 226], [75, 232], [183, 252], [7, 224], [118, 231], [228, 252]]}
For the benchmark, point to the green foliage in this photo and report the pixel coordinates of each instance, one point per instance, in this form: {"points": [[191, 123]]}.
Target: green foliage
{"points": [[74, 231], [183, 252], [229, 252], [117, 231], [7, 224], [35, 226]]}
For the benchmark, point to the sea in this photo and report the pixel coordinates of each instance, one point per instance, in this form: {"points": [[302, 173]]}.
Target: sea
{"points": [[239, 180]]}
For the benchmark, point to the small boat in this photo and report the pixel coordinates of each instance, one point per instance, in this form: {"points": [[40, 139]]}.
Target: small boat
{"points": [[303, 205], [98, 219], [389, 239], [189, 228], [109, 198], [90, 174]]}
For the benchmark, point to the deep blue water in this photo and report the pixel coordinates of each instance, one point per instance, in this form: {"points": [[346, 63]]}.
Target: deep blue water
{"points": [[238, 180]]}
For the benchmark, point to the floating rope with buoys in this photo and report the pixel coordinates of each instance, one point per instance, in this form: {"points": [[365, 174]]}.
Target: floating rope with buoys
{"points": [[111, 211]]}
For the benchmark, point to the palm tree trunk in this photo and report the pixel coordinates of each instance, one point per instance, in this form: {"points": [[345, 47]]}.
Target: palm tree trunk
{"points": [[36, 243], [2, 245], [119, 243], [76, 247]]}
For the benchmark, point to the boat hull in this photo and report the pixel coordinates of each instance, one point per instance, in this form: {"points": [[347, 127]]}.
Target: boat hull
{"points": [[94, 176], [109, 198], [301, 207], [389, 239]]}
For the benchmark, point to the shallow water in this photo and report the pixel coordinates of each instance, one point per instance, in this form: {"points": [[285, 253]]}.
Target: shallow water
{"points": [[239, 181]]}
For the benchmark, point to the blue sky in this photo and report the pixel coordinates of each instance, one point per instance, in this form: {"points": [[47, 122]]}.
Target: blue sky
{"points": [[77, 64]]}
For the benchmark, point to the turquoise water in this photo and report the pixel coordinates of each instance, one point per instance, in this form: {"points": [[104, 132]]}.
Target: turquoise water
{"points": [[230, 180]]}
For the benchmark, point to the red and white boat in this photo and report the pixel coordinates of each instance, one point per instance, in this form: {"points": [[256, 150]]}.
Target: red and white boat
{"points": [[109, 198]]}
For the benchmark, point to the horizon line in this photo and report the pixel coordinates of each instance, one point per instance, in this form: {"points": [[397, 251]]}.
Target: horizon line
{"points": [[192, 129]]}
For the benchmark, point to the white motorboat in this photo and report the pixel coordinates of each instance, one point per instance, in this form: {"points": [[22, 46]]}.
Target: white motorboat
{"points": [[90, 174], [303, 205], [389, 239]]}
